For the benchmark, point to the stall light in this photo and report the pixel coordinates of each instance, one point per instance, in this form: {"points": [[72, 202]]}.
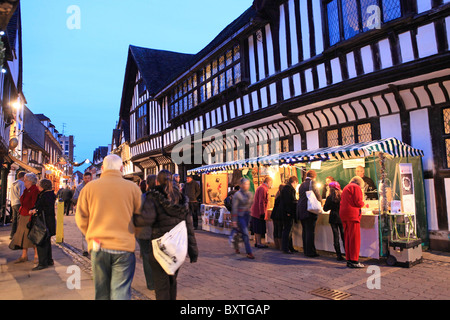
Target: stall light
{"points": [[3, 70], [319, 185], [2, 33]]}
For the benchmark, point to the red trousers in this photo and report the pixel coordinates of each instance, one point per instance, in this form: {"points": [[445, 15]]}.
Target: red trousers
{"points": [[352, 235]]}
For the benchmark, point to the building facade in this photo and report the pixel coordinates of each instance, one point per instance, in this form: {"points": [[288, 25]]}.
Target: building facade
{"points": [[320, 73]]}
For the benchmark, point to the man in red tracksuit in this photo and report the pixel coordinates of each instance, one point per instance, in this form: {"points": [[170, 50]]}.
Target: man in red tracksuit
{"points": [[352, 200]]}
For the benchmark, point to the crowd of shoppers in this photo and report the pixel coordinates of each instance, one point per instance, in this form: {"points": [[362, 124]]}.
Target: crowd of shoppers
{"points": [[291, 206]]}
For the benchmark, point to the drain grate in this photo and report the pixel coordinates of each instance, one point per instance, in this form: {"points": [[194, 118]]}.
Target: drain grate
{"points": [[330, 294]]}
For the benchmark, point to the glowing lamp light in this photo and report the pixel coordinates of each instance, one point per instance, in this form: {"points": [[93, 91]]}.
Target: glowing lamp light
{"points": [[2, 33], [3, 70], [319, 185], [17, 105]]}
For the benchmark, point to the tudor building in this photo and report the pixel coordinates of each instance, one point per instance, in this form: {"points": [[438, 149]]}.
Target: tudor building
{"points": [[318, 72]]}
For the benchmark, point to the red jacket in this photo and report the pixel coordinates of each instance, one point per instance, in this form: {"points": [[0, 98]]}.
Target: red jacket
{"points": [[260, 202], [351, 203], [28, 200]]}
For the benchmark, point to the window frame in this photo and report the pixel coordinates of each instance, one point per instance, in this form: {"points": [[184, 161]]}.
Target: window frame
{"points": [[445, 137], [143, 132], [342, 38], [374, 126]]}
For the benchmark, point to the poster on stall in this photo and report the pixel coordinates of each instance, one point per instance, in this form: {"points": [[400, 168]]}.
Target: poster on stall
{"points": [[407, 187], [215, 188]]}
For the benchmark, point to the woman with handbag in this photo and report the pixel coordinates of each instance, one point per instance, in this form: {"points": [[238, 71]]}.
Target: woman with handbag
{"points": [[45, 210], [27, 201], [308, 218], [163, 209]]}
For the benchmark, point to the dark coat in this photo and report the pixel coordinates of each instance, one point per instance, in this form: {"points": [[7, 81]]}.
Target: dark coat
{"points": [[192, 191], [158, 213], [288, 203], [302, 205], [334, 210], [66, 194], [45, 204]]}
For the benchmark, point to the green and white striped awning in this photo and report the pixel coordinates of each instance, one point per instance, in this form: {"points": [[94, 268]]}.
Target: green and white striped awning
{"points": [[392, 147]]}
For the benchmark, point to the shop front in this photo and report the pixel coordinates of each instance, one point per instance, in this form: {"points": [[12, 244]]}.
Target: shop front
{"points": [[394, 167]]}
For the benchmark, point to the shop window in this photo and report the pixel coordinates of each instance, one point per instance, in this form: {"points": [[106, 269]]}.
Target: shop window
{"points": [[446, 120], [347, 18]]}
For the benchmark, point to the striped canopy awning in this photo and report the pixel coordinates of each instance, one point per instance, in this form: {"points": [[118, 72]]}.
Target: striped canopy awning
{"points": [[392, 147]]}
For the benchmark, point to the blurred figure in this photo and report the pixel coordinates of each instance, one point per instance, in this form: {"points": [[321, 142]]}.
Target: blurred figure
{"points": [[45, 206], [241, 207], [259, 211], [87, 177], [192, 191], [352, 200], [105, 216], [176, 180], [277, 219], [326, 187], [332, 204], [144, 237], [307, 218], [27, 200], [16, 192], [66, 195], [143, 186], [288, 208], [163, 209]]}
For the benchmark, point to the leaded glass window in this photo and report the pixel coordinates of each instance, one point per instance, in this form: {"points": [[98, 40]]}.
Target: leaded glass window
{"points": [[391, 10], [333, 22], [332, 138], [229, 78]]}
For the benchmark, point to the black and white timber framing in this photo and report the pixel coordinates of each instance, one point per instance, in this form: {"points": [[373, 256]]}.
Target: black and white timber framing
{"points": [[291, 66]]}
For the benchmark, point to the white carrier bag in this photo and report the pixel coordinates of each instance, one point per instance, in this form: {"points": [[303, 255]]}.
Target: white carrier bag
{"points": [[170, 250]]}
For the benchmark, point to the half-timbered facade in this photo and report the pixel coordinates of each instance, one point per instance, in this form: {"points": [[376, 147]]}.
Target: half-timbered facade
{"points": [[319, 73]]}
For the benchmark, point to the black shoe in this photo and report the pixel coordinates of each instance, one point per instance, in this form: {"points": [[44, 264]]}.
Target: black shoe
{"points": [[288, 252], [39, 267], [85, 253], [312, 255], [351, 264], [340, 258], [51, 263], [293, 250]]}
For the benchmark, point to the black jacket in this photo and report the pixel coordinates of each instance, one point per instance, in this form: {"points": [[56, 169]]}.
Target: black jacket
{"points": [[288, 203], [302, 206], [334, 210], [45, 204], [66, 194], [158, 213]]}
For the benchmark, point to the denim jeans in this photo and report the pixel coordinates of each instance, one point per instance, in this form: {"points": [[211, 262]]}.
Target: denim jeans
{"points": [[144, 246], [243, 230], [113, 274]]}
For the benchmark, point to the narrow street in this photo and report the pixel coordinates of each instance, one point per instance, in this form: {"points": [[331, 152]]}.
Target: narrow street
{"points": [[222, 275]]}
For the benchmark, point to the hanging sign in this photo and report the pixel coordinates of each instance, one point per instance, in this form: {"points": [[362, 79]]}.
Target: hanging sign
{"points": [[353, 163]]}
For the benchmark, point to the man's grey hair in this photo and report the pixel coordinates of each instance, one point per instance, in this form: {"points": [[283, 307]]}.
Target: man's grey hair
{"points": [[112, 162], [31, 177]]}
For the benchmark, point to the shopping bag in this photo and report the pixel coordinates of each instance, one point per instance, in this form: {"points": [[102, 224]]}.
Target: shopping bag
{"points": [[38, 231], [314, 205], [170, 250]]}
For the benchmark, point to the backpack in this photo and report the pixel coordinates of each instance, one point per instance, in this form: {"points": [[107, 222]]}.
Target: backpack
{"points": [[228, 202]]}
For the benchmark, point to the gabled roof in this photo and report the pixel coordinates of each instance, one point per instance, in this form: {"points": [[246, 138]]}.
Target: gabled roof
{"points": [[42, 117], [158, 66]]}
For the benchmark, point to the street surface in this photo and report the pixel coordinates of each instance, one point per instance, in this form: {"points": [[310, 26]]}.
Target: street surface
{"points": [[221, 274]]}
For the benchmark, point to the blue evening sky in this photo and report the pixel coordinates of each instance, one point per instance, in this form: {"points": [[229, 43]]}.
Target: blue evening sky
{"points": [[76, 76]]}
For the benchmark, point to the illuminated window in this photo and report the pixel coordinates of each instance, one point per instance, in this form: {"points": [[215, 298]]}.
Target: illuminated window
{"points": [[349, 135], [333, 138], [221, 63], [446, 120], [222, 82], [214, 67], [229, 78], [208, 71], [229, 57], [141, 121]]}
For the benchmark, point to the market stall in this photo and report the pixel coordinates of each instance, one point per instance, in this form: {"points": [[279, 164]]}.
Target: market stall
{"points": [[395, 168]]}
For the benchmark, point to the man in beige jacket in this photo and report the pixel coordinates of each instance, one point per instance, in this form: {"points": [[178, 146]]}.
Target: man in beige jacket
{"points": [[104, 215]]}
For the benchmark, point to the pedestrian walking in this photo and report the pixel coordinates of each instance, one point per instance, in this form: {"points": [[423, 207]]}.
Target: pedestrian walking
{"points": [[259, 211], [87, 177], [45, 208], [176, 181], [288, 207], [332, 204], [27, 202], [352, 200], [241, 207], [66, 195], [192, 191], [164, 208], [144, 237], [17, 189], [308, 219], [277, 219], [143, 186], [104, 215]]}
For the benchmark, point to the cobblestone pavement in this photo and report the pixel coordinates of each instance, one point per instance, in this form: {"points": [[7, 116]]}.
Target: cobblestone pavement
{"points": [[221, 274]]}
